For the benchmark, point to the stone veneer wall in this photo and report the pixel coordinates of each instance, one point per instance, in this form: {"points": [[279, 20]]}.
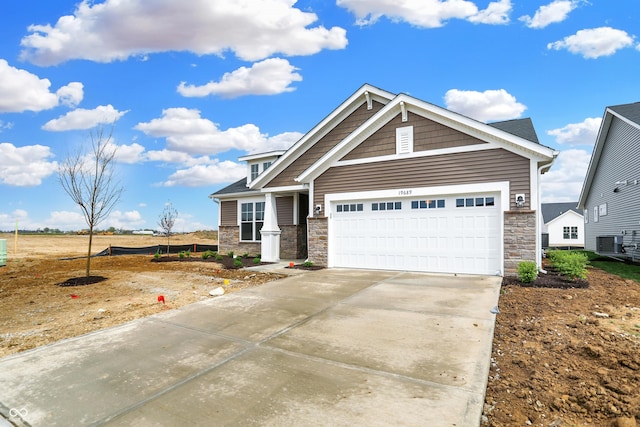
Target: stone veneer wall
{"points": [[318, 240], [288, 242], [229, 240], [519, 239]]}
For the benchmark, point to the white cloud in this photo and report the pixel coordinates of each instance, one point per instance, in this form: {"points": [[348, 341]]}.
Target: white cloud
{"points": [[5, 125], [584, 133], [206, 175], [129, 153], [125, 220], [489, 105], [269, 77], [554, 12], [186, 131], [563, 182], [63, 220], [25, 166], [496, 13], [84, 119], [116, 30], [426, 13], [71, 94], [22, 91], [594, 43]]}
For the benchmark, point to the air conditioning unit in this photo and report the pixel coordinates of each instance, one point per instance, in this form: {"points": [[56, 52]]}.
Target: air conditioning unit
{"points": [[609, 245]]}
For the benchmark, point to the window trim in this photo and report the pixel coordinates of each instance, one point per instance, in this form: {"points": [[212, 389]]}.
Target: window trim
{"points": [[256, 222]]}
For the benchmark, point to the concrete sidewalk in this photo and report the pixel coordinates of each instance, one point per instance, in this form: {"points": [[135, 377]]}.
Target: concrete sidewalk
{"points": [[328, 347]]}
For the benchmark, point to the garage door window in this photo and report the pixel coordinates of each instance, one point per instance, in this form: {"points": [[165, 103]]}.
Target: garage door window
{"points": [[386, 206], [427, 204], [350, 207], [469, 202]]}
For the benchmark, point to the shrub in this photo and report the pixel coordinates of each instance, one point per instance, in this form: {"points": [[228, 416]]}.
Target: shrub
{"points": [[527, 271], [257, 260], [237, 263], [230, 254], [157, 255], [218, 257], [245, 255], [209, 254], [307, 264], [570, 263]]}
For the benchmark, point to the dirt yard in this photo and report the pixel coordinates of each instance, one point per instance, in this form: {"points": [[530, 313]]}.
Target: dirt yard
{"points": [[561, 357], [35, 310]]}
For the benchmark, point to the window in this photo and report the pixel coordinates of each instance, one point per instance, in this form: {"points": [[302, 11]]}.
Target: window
{"points": [[570, 233], [475, 201], [252, 218], [350, 207], [254, 171], [386, 206], [595, 214], [265, 166], [427, 204]]}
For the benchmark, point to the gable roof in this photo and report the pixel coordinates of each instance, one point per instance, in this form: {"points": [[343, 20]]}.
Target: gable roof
{"points": [[403, 103], [629, 113], [551, 211], [365, 92]]}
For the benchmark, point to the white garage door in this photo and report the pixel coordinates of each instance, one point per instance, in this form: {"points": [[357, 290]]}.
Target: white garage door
{"points": [[452, 234]]}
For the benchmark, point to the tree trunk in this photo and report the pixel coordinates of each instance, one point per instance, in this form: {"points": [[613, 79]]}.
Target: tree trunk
{"points": [[89, 251]]}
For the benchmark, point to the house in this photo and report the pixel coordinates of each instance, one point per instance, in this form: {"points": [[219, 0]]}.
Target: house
{"points": [[610, 194], [563, 225], [387, 181]]}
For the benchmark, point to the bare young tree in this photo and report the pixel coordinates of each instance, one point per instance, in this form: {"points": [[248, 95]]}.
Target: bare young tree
{"points": [[88, 178], [167, 220]]}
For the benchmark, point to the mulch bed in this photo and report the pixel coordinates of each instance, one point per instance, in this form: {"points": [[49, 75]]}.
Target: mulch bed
{"points": [[226, 261], [82, 281], [552, 279]]}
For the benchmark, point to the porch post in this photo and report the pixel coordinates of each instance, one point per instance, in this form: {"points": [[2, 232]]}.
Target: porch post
{"points": [[270, 244]]}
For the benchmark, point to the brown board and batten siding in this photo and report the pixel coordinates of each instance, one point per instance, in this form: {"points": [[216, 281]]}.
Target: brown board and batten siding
{"points": [[284, 206], [229, 212], [327, 142], [427, 135], [447, 169]]}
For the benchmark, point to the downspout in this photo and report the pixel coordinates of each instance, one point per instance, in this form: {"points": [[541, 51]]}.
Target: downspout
{"points": [[540, 219]]}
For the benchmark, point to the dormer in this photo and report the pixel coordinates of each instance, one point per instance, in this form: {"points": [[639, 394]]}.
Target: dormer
{"points": [[258, 163]]}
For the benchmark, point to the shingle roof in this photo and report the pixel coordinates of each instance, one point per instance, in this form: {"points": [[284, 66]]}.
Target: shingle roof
{"points": [[630, 111], [518, 127], [237, 187], [551, 211]]}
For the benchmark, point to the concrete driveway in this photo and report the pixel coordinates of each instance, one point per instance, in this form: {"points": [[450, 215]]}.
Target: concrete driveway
{"points": [[329, 347]]}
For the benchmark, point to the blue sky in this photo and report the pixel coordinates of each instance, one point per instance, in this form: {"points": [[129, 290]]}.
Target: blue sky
{"points": [[190, 86]]}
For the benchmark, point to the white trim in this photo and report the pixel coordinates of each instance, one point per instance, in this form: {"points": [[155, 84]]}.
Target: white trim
{"points": [[238, 196], [240, 201], [285, 189], [266, 155], [500, 187], [404, 140], [417, 154], [296, 202]]}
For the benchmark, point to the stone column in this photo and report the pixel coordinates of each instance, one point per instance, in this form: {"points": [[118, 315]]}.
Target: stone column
{"points": [[270, 244]]}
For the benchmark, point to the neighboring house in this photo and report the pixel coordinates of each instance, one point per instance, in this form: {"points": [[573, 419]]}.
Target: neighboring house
{"points": [[611, 192], [388, 181], [564, 225]]}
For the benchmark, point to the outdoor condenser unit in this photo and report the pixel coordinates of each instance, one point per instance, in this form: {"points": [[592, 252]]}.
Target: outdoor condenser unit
{"points": [[609, 244]]}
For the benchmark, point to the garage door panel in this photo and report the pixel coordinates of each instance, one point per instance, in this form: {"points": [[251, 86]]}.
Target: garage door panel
{"points": [[445, 239]]}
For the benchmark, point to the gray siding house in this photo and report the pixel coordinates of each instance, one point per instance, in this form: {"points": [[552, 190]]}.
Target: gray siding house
{"points": [[388, 181], [610, 195]]}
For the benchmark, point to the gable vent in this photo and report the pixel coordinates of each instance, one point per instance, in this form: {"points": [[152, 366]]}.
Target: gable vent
{"points": [[404, 140]]}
